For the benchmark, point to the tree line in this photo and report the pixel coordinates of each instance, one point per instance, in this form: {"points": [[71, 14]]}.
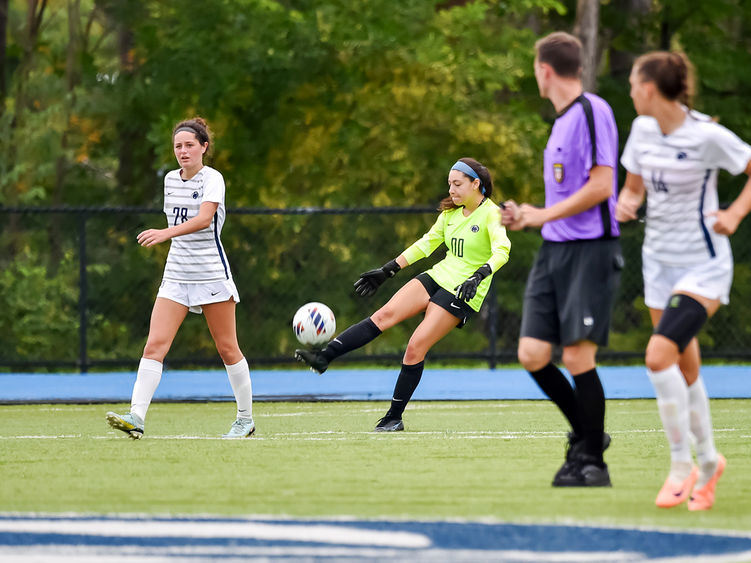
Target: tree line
{"points": [[326, 103]]}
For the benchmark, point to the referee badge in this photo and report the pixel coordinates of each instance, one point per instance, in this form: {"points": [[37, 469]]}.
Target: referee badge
{"points": [[558, 172]]}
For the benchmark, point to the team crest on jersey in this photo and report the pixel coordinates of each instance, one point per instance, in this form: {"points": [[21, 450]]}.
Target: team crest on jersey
{"points": [[558, 173], [474, 228], [195, 195]]}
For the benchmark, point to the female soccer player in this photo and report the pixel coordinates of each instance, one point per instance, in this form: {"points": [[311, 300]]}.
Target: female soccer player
{"points": [[673, 155], [197, 278], [449, 293]]}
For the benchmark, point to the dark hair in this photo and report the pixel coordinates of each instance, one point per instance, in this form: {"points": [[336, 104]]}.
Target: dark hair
{"points": [[485, 182], [198, 127], [562, 51], [672, 73]]}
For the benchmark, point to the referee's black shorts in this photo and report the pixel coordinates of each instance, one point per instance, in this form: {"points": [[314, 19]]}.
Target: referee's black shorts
{"points": [[571, 290]]}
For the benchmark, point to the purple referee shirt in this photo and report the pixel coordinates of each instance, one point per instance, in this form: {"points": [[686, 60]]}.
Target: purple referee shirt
{"points": [[568, 160]]}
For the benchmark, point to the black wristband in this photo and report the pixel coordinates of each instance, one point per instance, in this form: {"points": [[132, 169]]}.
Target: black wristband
{"points": [[391, 268], [483, 271]]}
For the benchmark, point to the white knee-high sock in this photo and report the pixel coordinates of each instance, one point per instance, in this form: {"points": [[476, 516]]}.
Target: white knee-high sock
{"points": [[672, 403], [147, 379], [701, 428], [239, 378]]}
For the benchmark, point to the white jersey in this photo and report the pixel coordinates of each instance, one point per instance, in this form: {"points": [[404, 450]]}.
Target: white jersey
{"points": [[679, 171], [196, 257]]}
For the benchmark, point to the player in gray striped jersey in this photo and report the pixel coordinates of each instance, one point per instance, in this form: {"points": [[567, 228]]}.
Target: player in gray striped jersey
{"points": [[197, 278], [672, 156]]}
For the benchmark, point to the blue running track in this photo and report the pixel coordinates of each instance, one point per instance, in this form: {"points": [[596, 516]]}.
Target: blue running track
{"points": [[343, 384]]}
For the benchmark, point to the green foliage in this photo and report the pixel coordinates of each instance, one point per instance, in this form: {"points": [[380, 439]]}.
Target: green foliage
{"points": [[327, 104], [39, 317]]}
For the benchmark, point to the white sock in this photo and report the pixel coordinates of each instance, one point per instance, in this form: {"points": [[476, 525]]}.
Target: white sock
{"points": [[701, 428], [672, 403], [239, 378], [149, 375]]}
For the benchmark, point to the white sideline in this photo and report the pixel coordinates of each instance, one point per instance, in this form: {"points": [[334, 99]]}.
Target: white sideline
{"points": [[340, 535]]}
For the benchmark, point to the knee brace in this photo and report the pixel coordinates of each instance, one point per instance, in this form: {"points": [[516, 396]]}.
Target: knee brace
{"points": [[681, 320]]}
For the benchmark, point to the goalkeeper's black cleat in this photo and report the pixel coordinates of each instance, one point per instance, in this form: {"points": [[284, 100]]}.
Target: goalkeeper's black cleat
{"points": [[389, 423], [315, 360]]}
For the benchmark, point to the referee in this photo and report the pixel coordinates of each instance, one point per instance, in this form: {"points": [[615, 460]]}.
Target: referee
{"points": [[572, 284]]}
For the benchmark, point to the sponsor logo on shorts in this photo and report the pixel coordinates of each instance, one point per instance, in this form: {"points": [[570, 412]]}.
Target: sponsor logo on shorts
{"points": [[214, 293], [588, 321], [455, 306]]}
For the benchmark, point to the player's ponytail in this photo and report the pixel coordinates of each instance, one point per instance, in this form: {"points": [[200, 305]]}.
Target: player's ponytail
{"points": [[672, 73]]}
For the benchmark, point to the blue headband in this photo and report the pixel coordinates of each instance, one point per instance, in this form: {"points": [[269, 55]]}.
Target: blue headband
{"points": [[467, 169]]}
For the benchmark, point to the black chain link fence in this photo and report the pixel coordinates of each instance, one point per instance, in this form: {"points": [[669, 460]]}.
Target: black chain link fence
{"points": [[76, 290]]}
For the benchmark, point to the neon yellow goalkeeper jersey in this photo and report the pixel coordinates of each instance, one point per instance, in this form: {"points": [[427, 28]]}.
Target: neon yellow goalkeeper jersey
{"points": [[471, 242]]}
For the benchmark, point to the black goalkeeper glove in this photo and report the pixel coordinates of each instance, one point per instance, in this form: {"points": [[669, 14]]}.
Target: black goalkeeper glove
{"points": [[468, 289], [370, 281]]}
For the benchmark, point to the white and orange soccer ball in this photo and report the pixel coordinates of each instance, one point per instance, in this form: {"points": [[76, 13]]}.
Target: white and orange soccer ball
{"points": [[314, 324]]}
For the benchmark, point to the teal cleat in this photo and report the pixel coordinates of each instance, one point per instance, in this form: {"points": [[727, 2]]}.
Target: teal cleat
{"points": [[129, 423], [241, 428]]}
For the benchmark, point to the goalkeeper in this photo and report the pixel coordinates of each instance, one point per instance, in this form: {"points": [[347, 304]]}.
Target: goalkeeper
{"points": [[448, 293]]}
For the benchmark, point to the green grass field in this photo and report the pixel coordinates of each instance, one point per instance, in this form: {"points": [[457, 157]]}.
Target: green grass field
{"points": [[468, 460]]}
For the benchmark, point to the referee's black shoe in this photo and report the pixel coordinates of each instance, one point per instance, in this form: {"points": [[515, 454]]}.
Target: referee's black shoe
{"points": [[575, 449], [389, 423], [586, 471], [313, 358]]}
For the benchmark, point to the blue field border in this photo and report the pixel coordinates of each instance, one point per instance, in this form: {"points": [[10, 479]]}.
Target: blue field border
{"points": [[29, 537], [619, 382]]}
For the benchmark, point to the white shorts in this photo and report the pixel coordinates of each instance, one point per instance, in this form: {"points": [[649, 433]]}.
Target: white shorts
{"points": [[193, 295], [711, 279]]}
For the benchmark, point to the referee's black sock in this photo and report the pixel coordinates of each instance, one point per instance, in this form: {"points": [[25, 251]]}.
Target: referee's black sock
{"points": [[590, 399], [406, 383], [557, 387], [355, 336]]}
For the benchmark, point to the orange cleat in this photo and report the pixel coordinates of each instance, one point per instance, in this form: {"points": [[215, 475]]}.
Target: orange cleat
{"points": [[672, 493], [703, 498]]}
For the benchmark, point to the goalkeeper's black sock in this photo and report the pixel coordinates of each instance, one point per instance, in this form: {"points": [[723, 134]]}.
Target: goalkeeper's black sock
{"points": [[557, 387], [355, 336], [406, 383]]}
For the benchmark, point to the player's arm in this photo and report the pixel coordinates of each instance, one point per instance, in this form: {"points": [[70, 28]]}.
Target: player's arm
{"points": [[369, 282], [206, 212], [630, 199], [597, 189], [729, 219]]}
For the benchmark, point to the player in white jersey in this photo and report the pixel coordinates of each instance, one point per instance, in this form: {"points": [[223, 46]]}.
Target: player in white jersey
{"points": [[672, 156], [197, 278]]}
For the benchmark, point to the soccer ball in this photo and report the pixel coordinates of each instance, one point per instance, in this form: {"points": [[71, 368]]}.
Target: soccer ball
{"points": [[314, 324]]}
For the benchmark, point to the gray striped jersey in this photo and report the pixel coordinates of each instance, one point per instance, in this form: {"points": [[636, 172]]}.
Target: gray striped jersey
{"points": [[196, 257], [679, 171]]}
